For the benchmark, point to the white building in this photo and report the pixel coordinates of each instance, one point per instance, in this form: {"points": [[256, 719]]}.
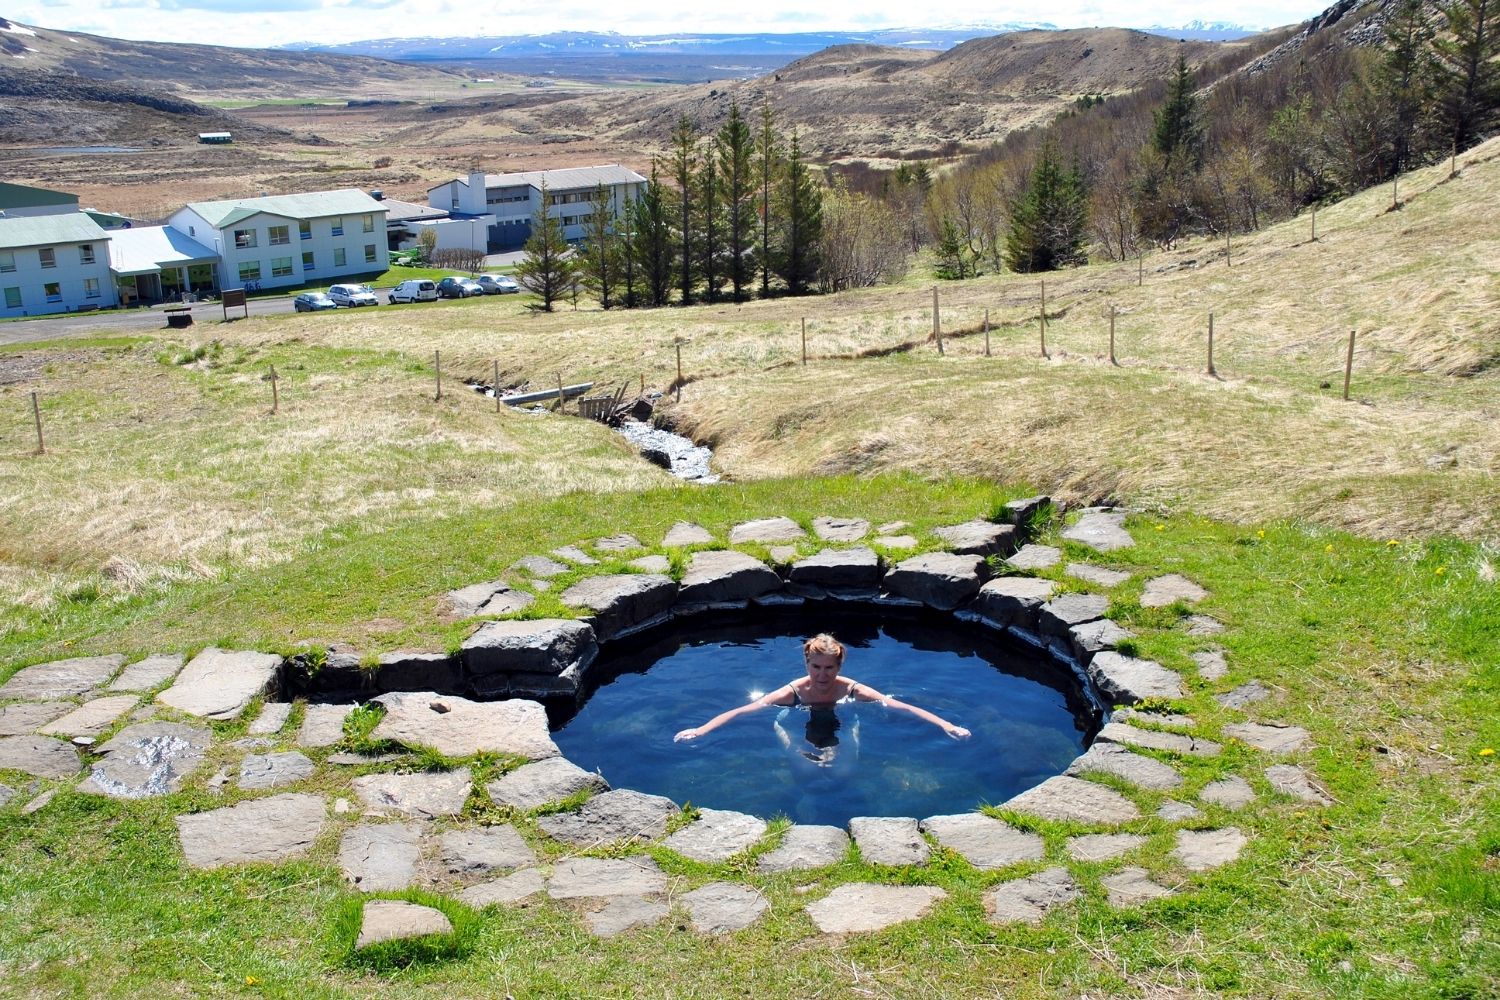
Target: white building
{"points": [[503, 205], [325, 236], [159, 263], [53, 264]]}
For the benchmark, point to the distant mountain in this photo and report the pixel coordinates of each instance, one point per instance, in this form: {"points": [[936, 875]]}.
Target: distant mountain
{"points": [[1205, 31]]}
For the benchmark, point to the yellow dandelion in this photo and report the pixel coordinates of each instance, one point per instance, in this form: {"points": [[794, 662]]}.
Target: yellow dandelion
{"points": [[1261, 533], [1328, 547], [1487, 752], [251, 980], [1440, 571], [1391, 543], [1161, 527]]}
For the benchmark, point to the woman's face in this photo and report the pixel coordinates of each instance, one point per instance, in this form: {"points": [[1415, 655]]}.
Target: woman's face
{"points": [[822, 668]]}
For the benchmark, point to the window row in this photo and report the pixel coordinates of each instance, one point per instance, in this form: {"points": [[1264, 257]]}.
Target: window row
{"points": [[47, 256], [280, 236], [281, 267], [51, 293]]}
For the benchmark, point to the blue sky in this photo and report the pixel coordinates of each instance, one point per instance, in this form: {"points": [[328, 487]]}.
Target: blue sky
{"points": [[273, 22]]}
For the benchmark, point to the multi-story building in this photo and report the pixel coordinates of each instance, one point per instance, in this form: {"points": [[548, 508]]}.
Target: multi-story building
{"points": [[52, 264], [502, 206], [290, 239]]}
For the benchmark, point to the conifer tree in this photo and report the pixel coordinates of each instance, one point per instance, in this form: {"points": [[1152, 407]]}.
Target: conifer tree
{"points": [[710, 223], [802, 224], [1467, 73], [652, 241], [1404, 73], [768, 169], [684, 172], [547, 269], [1048, 224], [600, 257], [735, 145], [952, 251], [1178, 133]]}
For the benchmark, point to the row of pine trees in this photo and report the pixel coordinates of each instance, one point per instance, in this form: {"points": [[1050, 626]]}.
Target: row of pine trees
{"points": [[730, 215]]}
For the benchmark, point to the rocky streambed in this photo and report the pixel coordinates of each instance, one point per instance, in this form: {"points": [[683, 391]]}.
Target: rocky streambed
{"points": [[673, 452]]}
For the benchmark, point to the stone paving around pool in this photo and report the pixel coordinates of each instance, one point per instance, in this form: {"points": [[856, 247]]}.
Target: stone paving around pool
{"points": [[397, 826]]}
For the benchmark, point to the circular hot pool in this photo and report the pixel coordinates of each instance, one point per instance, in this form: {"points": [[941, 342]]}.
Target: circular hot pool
{"points": [[1028, 714]]}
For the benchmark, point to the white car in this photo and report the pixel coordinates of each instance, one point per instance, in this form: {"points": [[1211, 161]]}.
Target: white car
{"points": [[353, 295], [414, 290]]}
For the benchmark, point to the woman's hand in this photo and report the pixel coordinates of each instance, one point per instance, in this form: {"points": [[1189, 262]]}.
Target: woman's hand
{"points": [[687, 734], [958, 732]]}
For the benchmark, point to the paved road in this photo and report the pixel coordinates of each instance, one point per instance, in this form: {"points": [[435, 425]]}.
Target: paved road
{"points": [[126, 320]]}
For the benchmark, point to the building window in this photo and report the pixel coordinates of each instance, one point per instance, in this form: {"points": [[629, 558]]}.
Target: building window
{"points": [[49, 256], [369, 253], [369, 222], [7, 261], [455, 203], [12, 298], [304, 229], [91, 288], [244, 239], [53, 291], [279, 236], [192, 230], [86, 253], [338, 257], [338, 227], [281, 267], [307, 260], [249, 270]]}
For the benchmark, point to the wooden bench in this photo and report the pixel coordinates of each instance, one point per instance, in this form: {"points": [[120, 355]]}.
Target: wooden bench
{"points": [[179, 317]]}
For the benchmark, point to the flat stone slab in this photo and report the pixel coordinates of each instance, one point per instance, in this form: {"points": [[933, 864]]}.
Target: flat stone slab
{"points": [[1102, 531], [27, 717], [260, 830], [92, 717], [1211, 664], [322, 725], [1139, 770], [768, 529], [977, 537], [1179, 743], [717, 835], [273, 715], [943, 580], [686, 533], [618, 543], [1103, 846], [1178, 812], [622, 913], [1033, 556], [272, 770], [6, 794], [484, 849], [840, 529], [1200, 850], [983, 841], [381, 857], [1013, 600], [1164, 590], [425, 795], [1289, 779], [495, 597], [863, 906], [804, 848], [895, 541], [620, 814], [1165, 720], [652, 564], [575, 555], [397, 920], [511, 889], [1059, 615], [1271, 739], [1244, 696], [458, 727], [1204, 625], [147, 760], [623, 602], [69, 678], [539, 646], [532, 786], [857, 567], [1233, 793], [1028, 900], [1127, 679], [1098, 575], [540, 567], [39, 756], [716, 577], [219, 684], [783, 555], [1132, 887], [580, 878], [724, 907], [1097, 636], [143, 675], [889, 840], [417, 670], [1073, 799]]}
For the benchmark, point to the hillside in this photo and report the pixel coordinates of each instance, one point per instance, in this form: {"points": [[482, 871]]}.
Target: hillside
{"points": [[215, 72], [1099, 60]]}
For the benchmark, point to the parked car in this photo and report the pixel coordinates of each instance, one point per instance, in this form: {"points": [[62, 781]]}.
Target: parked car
{"points": [[414, 290], [353, 295], [498, 284], [455, 287], [309, 302]]}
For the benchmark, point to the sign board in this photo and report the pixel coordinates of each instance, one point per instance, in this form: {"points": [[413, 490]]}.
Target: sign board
{"points": [[235, 297]]}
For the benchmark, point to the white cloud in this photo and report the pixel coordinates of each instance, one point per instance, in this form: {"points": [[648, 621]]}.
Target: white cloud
{"points": [[273, 22]]}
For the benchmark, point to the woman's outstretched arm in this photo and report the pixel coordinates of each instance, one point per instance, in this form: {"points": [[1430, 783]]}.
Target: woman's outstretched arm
{"points": [[866, 693], [781, 696]]}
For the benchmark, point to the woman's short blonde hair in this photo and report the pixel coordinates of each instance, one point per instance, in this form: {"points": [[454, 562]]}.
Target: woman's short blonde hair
{"points": [[825, 644]]}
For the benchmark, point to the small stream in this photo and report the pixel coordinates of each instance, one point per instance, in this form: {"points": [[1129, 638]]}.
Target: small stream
{"points": [[673, 452]]}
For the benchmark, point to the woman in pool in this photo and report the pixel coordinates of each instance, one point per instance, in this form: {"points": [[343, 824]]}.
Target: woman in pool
{"points": [[820, 689]]}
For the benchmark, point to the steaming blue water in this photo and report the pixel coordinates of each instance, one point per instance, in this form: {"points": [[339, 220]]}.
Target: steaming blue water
{"points": [[860, 759]]}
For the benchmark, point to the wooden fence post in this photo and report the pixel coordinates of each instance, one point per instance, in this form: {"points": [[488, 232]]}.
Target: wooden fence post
{"points": [[804, 346], [1211, 370], [1395, 199], [497, 385], [1228, 250], [36, 414], [937, 322], [1348, 365], [273, 378], [986, 333], [1044, 319], [1140, 268], [1112, 336], [1315, 222], [678, 343], [562, 400], [437, 364]]}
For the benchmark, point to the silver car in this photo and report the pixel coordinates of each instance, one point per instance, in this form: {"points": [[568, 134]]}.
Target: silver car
{"points": [[353, 295]]}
